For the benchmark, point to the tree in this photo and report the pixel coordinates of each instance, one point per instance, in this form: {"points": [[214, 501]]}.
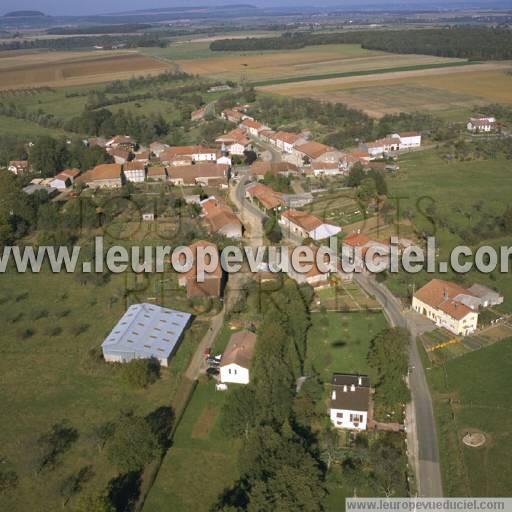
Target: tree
{"points": [[355, 175], [140, 373], [8, 480], [94, 503], [133, 444], [507, 220], [54, 444], [48, 156], [238, 414], [73, 484], [367, 191]]}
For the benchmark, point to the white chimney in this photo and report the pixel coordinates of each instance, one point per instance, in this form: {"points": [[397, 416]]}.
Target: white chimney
{"points": [[344, 389], [352, 387], [334, 394]]}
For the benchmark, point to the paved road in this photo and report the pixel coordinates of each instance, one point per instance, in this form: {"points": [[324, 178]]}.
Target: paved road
{"points": [[423, 439]]}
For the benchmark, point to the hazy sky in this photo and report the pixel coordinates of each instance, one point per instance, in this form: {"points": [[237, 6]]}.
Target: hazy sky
{"points": [[72, 7]]}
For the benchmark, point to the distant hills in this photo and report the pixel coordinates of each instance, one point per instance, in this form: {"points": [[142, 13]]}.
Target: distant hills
{"points": [[24, 14]]}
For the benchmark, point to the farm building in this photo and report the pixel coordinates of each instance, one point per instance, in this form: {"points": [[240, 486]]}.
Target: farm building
{"points": [[157, 173], [65, 179], [121, 142], [448, 305], [305, 225], [252, 127], [194, 153], [211, 283], [236, 361], [221, 219], [102, 176], [206, 174], [408, 139], [265, 198], [134, 171], [481, 124], [234, 142], [145, 331], [350, 401], [18, 166]]}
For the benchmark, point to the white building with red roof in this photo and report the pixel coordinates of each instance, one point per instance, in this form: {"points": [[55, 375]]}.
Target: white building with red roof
{"points": [[448, 305], [305, 225]]}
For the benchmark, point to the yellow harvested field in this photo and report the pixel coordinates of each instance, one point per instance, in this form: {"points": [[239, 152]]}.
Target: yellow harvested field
{"points": [[426, 89], [314, 60], [55, 69]]}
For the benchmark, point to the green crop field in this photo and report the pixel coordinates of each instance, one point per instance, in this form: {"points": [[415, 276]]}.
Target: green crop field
{"points": [[472, 393]]}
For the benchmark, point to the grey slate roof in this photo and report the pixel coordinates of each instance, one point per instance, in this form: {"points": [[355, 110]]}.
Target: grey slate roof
{"points": [[342, 396], [145, 331]]}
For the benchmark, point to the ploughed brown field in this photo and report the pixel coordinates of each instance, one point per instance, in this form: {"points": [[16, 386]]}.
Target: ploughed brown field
{"points": [[432, 90], [54, 69]]}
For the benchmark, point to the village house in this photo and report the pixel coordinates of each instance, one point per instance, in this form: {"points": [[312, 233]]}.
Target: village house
{"points": [[210, 285], [157, 173], [233, 116], [252, 127], [157, 148], [207, 174], [195, 153], [120, 155], [320, 168], [286, 141], [408, 140], [312, 150], [121, 142], [267, 136], [18, 166], [350, 401], [354, 156], [134, 171], [356, 245], [306, 225], [146, 331], [198, 115], [221, 219], [265, 198], [102, 176], [382, 147], [142, 155], [481, 124], [235, 364], [65, 179], [316, 276], [448, 305], [259, 168], [234, 142]]}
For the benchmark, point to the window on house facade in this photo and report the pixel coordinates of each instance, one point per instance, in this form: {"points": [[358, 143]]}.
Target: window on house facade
{"points": [[339, 415]]}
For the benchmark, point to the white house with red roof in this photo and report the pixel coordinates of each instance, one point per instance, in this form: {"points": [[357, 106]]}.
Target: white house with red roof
{"points": [[448, 305], [481, 124], [305, 225]]}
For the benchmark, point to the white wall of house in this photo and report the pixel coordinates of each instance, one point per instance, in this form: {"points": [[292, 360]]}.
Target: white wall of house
{"points": [[353, 420], [234, 373], [204, 157], [135, 176], [413, 141], [464, 326]]}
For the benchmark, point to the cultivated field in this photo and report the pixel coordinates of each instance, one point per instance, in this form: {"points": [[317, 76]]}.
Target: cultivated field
{"points": [[311, 61], [472, 393], [438, 90], [31, 69]]}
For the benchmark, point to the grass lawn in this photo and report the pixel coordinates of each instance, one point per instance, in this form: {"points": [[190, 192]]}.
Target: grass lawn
{"points": [[202, 461], [460, 193], [50, 323], [478, 385], [339, 342]]}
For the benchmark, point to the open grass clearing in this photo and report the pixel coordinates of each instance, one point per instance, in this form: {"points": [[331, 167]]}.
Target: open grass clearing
{"points": [[343, 296], [339, 342], [50, 323], [472, 392], [202, 461]]}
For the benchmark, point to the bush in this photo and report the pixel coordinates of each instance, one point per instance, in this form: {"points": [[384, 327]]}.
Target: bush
{"points": [[140, 373]]}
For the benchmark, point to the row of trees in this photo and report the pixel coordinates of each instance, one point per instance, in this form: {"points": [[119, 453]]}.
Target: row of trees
{"points": [[472, 43], [278, 461]]}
